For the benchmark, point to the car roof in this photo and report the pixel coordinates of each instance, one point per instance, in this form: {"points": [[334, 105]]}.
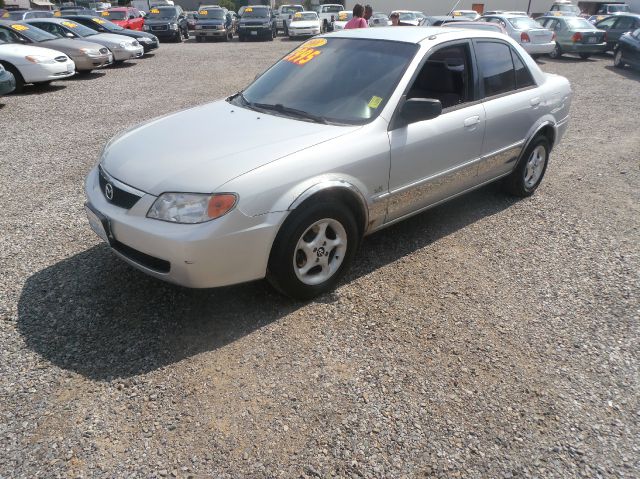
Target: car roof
{"points": [[47, 20], [413, 34]]}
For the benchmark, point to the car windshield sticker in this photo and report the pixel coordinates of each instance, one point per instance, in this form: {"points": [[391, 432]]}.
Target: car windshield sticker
{"points": [[248, 9], [375, 102], [315, 43], [298, 15], [342, 16], [20, 28], [70, 24], [457, 14], [98, 20], [155, 11], [105, 14], [203, 12], [57, 13], [302, 55], [5, 15]]}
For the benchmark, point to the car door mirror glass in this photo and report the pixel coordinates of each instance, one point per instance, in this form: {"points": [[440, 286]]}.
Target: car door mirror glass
{"points": [[420, 109], [69, 35]]}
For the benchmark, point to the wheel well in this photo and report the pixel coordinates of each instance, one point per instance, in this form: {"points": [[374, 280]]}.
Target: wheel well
{"points": [[346, 197], [8, 65], [548, 132]]}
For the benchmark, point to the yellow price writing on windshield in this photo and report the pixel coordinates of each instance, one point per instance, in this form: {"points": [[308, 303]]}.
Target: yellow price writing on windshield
{"points": [[298, 15], [375, 102], [5, 15], [98, 20], [203, 12], [70, 24], [302, 56], [154, 10], [248, 9], [57, 13], [20, 28]]}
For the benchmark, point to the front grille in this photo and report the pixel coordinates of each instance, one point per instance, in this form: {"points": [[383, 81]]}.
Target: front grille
{"points": [[160, 27], [148, 261], [209, 27], [61, 59], [104, 51], [253, 24], [121, 198]]}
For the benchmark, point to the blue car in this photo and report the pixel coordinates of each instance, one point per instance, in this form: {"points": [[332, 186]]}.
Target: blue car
{"points": [[7, 81]]}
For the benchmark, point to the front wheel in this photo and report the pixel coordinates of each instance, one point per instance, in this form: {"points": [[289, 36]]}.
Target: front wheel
{"points": [[17, 76], [526, 178], [617, 59], [313, 249]]}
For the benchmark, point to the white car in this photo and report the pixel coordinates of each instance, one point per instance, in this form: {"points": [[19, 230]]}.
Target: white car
{"points": [[304, 24], [470, 14], [409, 17], [328, 14], [532, 36], [341, 20], [35, 64]]}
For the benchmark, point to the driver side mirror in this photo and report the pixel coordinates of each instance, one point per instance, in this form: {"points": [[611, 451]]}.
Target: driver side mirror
{"points": [[420, 109], [69, 35]]}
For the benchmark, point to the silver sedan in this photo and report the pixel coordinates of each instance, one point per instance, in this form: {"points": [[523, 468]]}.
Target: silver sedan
{"points": [[122, 47], [533, 37], [292, 172]]}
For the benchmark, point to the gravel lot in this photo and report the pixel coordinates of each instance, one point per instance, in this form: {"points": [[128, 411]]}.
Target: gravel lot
{"points": [[489, 337]]}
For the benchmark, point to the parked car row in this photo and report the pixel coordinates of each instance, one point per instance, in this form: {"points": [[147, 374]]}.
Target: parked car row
{"points": [[42, 50]]}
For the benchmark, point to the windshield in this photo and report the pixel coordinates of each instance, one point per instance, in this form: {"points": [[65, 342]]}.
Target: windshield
{"points": [[322, 79], [301, 17], [78, 29], [106, 24], [117, 15], [578, 22], [331, 8], [250, 12], [291, 9], [567, 8], [163, 13], [476, 26], [523, 23], [617, 8], [471, 15], [214, 13], [13, 15], [32, 33], [407, 16]]}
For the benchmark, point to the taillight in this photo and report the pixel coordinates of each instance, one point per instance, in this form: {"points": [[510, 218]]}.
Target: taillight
{"points": [[577, 37], [524, 37]]}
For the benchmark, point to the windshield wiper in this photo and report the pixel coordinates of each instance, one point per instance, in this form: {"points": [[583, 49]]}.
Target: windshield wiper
{"points": [[279, 107]]}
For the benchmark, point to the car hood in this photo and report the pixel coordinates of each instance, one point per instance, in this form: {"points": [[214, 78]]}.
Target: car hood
{"points": [[24, 50], [305, 24], [108, 38], [200, 149], [67, 45]]}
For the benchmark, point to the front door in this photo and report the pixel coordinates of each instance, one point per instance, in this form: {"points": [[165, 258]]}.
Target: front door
{"points": [[434, 159]]}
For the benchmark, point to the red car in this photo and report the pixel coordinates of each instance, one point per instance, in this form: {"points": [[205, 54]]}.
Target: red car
{"points": [[126, 17]]}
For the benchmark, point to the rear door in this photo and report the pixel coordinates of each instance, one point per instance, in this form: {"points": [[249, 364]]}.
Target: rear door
{"points": [[511, 101]]}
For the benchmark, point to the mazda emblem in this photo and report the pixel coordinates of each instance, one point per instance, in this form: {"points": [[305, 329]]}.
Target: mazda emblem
{"points": [[108, 191]]}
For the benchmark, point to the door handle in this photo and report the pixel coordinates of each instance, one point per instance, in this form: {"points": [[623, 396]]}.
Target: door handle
{"points": [[534, 102], [473, 120]]}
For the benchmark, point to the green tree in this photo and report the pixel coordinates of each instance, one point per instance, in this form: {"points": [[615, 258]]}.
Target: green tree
{"points": [[1, 3], [228, 4]]}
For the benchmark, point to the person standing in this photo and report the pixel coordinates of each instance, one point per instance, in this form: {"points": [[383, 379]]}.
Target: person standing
{"points": [[357, 21], [368, 12]]}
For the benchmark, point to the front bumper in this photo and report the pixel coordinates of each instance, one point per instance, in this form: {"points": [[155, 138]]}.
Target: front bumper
{"points": [[86, 62], [583, 47], [127, 53], [163, 32], [211, 33], [306, 32], [7, 82], [43, 72], [538, 48], [148, 46], [255, 32], [232, 249]]}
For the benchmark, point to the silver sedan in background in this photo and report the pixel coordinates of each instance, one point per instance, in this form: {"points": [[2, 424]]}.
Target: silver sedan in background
{"points": [[532, 36], [307, 169], [122, 47]]}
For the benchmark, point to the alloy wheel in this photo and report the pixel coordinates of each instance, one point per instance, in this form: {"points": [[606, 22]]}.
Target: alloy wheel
{"points": [[320, 251]]}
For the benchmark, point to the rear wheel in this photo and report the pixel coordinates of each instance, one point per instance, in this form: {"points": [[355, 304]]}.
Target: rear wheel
{"points": [[313, 249], [617, 59], [17, 75], [585, 56], [524, 180], [556, 52]]}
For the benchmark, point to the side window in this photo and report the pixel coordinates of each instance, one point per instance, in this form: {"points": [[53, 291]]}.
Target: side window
{"points": [[523, 75], [8, 36], [496, 68], [624, 23], [607, 23], [445, 76]]}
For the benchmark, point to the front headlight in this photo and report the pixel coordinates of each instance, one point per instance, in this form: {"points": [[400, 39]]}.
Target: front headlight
{"points": [[122, 44], [220, 27], [191, 208], [144, 40], [135, 43], [266, 24], [39, 59], [173, 26], [145, 27], [90, 51]]}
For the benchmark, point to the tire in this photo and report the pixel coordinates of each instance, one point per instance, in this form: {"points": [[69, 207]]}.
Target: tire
{"points": [[528, 174], [199, 39], [241, 38], [286, 270], [585, 56], [557, 52], [186, 34], [179, 38], [83, 72], [17, 75], [618, 62], [286, 30]]}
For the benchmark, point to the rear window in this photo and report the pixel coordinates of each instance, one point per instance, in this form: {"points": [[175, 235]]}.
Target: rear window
{"points": [[291, 9], [301, 17], [165, 13], [331, 9], [579, 23], [523, 23], [214, 13], [253, 12]]}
